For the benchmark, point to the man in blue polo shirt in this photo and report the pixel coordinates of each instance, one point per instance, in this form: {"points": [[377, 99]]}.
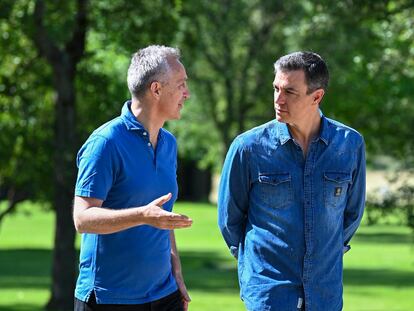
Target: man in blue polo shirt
{"points": [[125, 191], [292, 195]]}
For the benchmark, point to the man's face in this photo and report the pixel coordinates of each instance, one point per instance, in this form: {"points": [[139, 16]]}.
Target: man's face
{"points": [[292, 104], [174, 92]]}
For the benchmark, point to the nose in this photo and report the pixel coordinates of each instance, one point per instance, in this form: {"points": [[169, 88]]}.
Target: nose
{"points": [[279, 98], [186, 93]]}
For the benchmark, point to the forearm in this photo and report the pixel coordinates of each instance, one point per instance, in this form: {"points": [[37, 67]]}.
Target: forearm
{"points": [[89, 216], [102, 220], [356, 199], [175, 258]]}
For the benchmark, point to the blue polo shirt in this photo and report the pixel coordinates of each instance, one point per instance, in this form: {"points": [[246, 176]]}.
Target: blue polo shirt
{"points": [[117, 164]]}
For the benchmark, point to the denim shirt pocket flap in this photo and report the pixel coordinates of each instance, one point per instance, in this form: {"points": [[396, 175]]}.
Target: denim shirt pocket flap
{"points": [[274, 178], [338, 177]]}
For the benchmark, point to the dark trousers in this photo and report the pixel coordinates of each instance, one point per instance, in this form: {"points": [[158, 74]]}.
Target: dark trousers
{"points": [[171, 302]]}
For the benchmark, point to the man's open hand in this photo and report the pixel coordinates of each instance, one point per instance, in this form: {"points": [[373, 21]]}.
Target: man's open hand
{"points": [[157, 217]]}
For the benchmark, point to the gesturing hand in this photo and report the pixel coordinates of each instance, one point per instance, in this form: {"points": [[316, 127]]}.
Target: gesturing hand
{"points": [[157, 217]]}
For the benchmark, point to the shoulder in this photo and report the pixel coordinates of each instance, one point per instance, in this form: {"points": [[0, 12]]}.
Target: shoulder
{"points": [[168, 139], [111, 129], [256, 134], [102, 139], [168, 135], [344, 131]]}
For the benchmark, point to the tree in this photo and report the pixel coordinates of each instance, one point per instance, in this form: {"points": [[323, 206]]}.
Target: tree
{"points": [[230, 47], [58, 32], [63, 58], [368, 46]]}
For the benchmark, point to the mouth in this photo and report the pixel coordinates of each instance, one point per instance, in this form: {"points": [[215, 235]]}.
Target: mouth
{"points": [[279, 111]]}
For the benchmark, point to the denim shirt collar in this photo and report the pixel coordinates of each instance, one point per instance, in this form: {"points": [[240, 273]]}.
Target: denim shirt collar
{"points": [[284, 134], [129, 119]]}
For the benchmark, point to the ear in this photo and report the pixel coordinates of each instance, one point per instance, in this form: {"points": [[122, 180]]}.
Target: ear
{"points": [[317, 96], [155, 89]]}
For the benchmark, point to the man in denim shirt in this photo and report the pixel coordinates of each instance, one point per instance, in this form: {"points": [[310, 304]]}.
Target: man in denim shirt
{"points": [[292, 195]]}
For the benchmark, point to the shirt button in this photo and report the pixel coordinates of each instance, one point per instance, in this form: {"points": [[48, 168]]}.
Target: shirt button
{"points": [[145, 133], [149, 144]]}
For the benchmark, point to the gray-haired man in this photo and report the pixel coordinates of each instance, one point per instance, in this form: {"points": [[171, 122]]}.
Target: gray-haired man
{"points": [[124, 195]]}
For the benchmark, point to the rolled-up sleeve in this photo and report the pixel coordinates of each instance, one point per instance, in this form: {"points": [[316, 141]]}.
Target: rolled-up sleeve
{"points": [[356, 196], [233, 197]]}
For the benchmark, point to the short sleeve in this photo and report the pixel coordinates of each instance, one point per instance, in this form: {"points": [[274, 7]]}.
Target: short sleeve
{"points": [[96, 168]]}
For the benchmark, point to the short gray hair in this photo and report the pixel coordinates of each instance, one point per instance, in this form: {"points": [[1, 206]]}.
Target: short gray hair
{"points": [[312, 64], [148, 65]]}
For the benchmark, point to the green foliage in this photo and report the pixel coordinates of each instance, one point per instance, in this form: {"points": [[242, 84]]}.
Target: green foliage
{"points": [[26, 112], [229, 48], [398, 202]]}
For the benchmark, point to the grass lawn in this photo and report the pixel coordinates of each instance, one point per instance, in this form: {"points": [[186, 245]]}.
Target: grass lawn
{"points": [[378, 276]]}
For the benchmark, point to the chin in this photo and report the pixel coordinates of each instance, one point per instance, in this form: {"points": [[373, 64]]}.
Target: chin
{"points": [[280, 119]]}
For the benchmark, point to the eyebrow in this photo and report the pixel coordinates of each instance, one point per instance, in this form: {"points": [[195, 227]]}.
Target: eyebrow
{"points": [[290, 88], [183, 79]]}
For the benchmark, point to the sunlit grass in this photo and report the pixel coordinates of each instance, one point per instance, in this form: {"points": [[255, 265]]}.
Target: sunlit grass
{"points": [[378, 276]]}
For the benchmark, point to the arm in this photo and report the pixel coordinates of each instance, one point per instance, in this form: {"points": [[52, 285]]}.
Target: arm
{"points": [[233, 197], [176, 268], [89, 216], [97, 167], [356, 197]]}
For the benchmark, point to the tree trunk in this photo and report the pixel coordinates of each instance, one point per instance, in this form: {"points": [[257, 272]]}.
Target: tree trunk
{"points": [[63, 61], [64, 254]]}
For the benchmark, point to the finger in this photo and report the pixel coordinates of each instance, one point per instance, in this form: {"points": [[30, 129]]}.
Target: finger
{"points": [[185, 296], [162, 200], [175, 216], [179, 222], [169, 226]]}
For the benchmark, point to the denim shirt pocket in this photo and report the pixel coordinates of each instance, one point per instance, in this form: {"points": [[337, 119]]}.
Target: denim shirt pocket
{"points": [[275, 189], [335, 188]]}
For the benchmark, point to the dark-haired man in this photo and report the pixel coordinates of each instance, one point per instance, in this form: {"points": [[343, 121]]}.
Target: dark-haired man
{"points": [[292, 195]]}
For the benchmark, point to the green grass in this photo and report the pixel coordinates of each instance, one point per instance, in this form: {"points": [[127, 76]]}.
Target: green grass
{"points": [[378, 275]]}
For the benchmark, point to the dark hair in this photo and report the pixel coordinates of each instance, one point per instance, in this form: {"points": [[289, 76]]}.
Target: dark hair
{"points": [[314, 67]]}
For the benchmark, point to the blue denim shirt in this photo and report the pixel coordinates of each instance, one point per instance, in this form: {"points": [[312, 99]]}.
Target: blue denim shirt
{"points": [[288, 218]]}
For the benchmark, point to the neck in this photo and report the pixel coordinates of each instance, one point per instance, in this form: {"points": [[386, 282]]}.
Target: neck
{"points": [[145, 115], [305, 132]]}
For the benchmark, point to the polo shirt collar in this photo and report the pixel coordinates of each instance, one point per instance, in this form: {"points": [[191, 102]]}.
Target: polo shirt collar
{"points": [[129, 119]]}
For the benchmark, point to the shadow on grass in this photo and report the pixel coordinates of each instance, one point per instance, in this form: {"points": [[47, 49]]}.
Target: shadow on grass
{"points": [[25, 268], [384, 238], [30, 268], [379, 277], [209, 272]]}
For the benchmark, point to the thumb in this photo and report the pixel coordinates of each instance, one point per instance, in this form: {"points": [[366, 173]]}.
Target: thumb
{"points": [[162, 200]]}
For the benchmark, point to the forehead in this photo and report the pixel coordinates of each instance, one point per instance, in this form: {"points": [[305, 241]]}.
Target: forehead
{"points": [[177, 69], [295, 78]]}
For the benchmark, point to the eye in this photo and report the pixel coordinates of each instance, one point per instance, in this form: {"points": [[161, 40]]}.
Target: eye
{"points": [[276, 89]]}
